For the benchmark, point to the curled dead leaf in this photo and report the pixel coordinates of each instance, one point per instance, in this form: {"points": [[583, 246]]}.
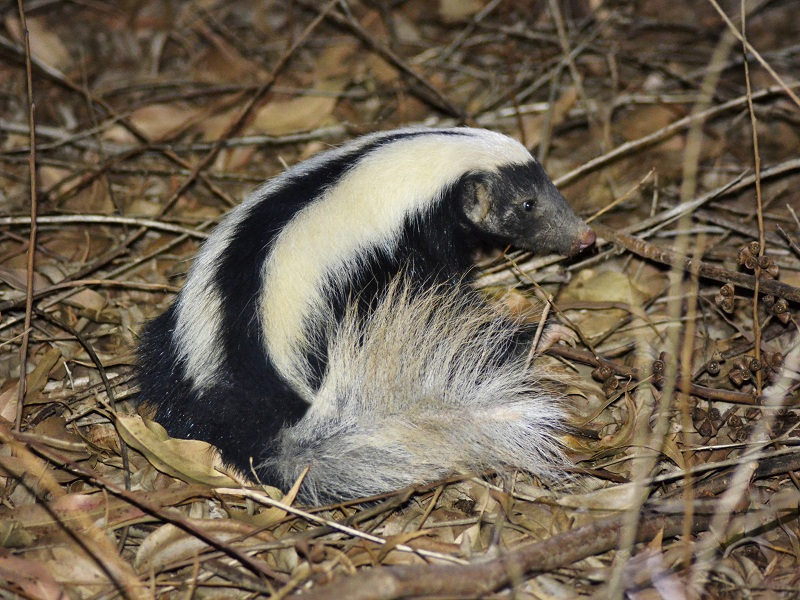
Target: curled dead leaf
{"points": [[192, 461]]}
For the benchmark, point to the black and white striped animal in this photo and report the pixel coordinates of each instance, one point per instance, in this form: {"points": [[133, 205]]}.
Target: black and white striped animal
{"points": [[327, 322]]}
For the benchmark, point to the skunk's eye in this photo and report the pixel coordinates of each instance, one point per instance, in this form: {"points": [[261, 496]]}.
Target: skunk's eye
{"points": [[527, 205]]}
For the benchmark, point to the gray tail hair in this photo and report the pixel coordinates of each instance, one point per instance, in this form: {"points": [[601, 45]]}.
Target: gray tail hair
{"points": [[432, 382]]}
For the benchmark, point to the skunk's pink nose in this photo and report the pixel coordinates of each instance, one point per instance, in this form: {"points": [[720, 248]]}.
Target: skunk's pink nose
{"points": [[583, 241]]}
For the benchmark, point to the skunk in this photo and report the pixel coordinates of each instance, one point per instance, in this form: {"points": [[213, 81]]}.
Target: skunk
{"points": [[328, 322]]}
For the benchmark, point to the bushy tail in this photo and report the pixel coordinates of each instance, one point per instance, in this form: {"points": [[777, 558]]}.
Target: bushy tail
{"points": [[433, 382]]}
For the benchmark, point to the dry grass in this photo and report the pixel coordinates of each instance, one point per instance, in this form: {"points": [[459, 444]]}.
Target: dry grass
{"points": [[673, 131]]}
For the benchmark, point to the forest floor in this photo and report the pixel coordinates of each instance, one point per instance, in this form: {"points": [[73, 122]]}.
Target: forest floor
{"points": [[673, 127]]}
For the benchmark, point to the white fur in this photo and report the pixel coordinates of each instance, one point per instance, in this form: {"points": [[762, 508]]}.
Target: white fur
{"points": [[199, 308], [393, 411], [197, 335], [327, 240]]}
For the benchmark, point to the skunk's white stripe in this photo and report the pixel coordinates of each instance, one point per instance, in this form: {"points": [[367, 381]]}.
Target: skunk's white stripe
{"points": [[329, 238], [198, 333], [199, 308], [327, 241]]}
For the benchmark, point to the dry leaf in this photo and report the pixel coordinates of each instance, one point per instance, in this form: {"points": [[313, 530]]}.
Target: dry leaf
{"points": [[32, 577], [46, 45], [603, 287], [532, 124], [169, 544], [300, 114], [451, 11], [192, 461], [157, 122]]}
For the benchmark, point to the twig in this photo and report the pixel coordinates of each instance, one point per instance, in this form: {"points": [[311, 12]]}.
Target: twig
{"points": [[786, 87], [433, 96], [662, 134], [759, 203], [31, 262], [595, 360], [65, 82], [105, 220], [263, 498], [668, 257], [138, 500], [475, 579]]}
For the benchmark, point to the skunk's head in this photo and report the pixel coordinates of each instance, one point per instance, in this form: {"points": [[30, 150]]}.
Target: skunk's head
{"points": [[519, 205]]}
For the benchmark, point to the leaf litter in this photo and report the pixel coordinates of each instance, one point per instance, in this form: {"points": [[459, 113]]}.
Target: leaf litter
{"points": [[680, 144]]}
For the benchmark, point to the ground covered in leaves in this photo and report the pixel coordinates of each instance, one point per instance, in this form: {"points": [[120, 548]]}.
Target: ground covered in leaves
{"points": [[672, 126]]}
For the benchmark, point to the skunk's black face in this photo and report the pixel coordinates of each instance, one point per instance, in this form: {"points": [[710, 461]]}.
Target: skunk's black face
{"points": [[519, 205]]}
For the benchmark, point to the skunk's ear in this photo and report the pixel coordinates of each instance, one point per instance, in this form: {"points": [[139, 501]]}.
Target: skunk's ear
{"points": [[476, 200]]}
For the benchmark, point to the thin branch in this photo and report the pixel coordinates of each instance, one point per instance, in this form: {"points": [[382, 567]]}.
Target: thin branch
{"points": [[31, 262]]}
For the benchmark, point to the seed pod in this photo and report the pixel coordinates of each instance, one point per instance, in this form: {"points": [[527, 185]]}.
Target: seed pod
{"points": [[743, 255], [753, 365], [737, 377], [781, 310], [602, 373], [774, 270], [727, 305], [713, 367], [610, 386], [698, 415]]}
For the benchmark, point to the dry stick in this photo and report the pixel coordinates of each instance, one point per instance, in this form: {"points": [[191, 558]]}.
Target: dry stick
{"points": [[674, 380], [759, 205], [77, 526], [149, 507], [577, 80], [195, 171], [65, 82], [89, 350], [733, 186], [78, 275], [705, 270], [683, 377], [466, 32], [706, 548], [475, 579], [434, 97], [769, 466], [662, 134], [105, 220], [246, 114], [262, 498], [784, 86], [595, 360], [31, 263], [789, 240]]}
